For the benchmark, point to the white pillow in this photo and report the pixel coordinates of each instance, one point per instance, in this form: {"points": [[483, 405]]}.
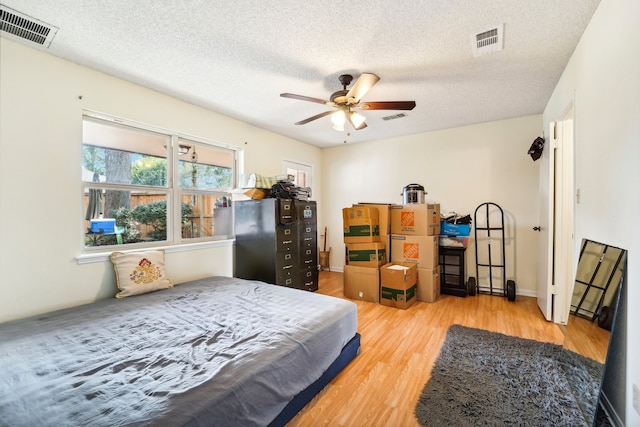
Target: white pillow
{"points": [[139, 272]]}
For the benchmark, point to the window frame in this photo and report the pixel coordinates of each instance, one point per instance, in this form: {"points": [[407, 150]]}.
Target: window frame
{"points": [[174, 238]]}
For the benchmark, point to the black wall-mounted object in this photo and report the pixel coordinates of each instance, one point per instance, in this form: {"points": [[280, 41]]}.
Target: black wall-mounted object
{"points": [[535, 151]]}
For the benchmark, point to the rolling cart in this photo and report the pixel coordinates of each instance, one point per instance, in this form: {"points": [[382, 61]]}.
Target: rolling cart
{"points": [[490, 265]]}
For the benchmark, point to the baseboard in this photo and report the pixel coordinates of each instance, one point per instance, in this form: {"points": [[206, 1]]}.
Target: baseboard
{"points": [[609, 410], [525, 293]]}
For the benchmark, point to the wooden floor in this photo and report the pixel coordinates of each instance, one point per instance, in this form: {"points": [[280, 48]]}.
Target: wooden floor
{"points": [[381, 386]]}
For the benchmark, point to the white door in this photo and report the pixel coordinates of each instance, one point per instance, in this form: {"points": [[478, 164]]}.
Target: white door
{"points": [[564, 269], [555, 271], [546, 225]]}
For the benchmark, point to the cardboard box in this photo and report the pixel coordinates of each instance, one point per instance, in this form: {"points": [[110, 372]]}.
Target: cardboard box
{"points": [[362, 283], [454, 241], [239, 194], [361, 224], [448, 229], [428, 281], [419, 250], [398, 286], [386, 239], [418, 219], [384, 215], [257, 193], [366, 254], [384, 223]]}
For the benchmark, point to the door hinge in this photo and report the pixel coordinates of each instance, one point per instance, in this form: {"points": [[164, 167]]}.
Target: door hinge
{"points": [[553, 144], [553, 289]]}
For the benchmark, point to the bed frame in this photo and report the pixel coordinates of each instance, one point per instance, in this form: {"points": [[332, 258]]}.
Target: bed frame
{"points": [[349, 352]]}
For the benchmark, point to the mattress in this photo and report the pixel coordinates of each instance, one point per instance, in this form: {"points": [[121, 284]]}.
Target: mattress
{"points": [[216, 351]]}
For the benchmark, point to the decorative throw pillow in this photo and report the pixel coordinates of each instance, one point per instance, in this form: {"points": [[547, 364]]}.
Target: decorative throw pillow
{"points": [[139, 272]]}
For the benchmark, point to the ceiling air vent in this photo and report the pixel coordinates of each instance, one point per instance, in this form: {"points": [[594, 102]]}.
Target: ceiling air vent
{"points": [[395, 116], [18, 26], [487, 41]]}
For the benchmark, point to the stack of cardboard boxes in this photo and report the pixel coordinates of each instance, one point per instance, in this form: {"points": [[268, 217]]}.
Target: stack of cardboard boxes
{"points": [[415, 229], [365, 249], [392, 253]]}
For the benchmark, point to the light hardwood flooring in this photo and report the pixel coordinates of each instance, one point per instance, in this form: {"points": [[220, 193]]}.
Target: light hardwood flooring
{"points": [[381, 386]]}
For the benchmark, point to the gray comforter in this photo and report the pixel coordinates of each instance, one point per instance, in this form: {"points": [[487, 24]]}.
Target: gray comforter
{"points": [[217, 351]]}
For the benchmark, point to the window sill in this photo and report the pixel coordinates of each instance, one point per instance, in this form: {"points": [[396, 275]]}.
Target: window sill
{"points": [[88, 258]]}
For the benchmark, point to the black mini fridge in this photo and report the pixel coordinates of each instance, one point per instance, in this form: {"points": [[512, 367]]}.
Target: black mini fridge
{"points": [[276, 242]]}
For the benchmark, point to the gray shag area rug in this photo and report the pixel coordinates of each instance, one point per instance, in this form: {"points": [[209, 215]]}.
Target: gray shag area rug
{"points": [[484, 378]]}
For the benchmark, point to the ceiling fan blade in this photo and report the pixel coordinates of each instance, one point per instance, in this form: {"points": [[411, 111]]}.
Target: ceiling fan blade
{"points": [[317, 116], [388, 105], [305, 98], [362, 86]]}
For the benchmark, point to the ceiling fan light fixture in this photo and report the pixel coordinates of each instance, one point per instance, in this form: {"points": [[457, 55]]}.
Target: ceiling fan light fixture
{"points": [[338, 118], [356, 119], [346, 100]]}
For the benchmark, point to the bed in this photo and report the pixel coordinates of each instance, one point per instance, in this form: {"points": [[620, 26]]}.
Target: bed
{"points": [[216, 351]]}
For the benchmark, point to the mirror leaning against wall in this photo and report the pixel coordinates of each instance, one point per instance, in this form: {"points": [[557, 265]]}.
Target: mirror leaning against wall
{"points": [[594, 304]]}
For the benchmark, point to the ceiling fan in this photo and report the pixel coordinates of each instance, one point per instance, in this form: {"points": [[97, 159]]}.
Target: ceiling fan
{"points": [[347, 101]]}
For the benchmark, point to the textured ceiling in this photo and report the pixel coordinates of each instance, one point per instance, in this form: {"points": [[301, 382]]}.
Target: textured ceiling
{"points": [[236, 57]]}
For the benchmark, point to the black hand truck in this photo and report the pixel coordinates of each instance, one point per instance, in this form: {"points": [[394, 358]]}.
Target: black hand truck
{"points": [[493, 235]]}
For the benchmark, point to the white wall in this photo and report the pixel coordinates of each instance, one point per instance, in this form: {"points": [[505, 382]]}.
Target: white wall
{"points": [[460, 168], [41, 214], [603, 79]]}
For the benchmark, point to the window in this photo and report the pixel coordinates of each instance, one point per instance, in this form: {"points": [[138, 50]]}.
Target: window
{"points": [[301, 173], [201, 177], [142, 186]]}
